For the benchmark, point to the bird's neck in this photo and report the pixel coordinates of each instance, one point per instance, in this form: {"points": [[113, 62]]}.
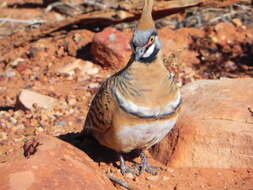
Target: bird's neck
{"points": [[147, 76], [147, 70], [145, 84]]}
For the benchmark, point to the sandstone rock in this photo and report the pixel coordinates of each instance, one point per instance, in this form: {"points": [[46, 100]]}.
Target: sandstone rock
{"points": [[54, 165], [27, 98], [215, 129], [178, 42], [111, 48]]}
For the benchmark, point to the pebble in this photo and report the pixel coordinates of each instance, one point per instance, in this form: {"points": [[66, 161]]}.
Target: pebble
{"points": [[16, 61], [3, 136], [93, 85], [27, 99], [2, 88], [72, 101], [60, 123], [152, 178], [237, 22], [170, 170], [10, 73], [130, 175], [92, 71], [13, 120], [77, 38], [40, 129], [165, 178]]}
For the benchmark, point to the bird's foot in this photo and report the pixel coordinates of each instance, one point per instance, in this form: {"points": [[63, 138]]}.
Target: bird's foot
{"points": [[145, 167], [125, 168]]}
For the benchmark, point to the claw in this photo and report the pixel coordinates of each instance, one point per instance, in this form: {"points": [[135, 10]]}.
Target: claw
{"points": [[141, 168], [145, 167], [125, 168]]}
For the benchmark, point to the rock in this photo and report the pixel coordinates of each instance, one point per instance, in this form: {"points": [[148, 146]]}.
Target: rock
{"points": [[178, 42], [152, 178], [76, 41], [86, 67], [224, 33], [27, 98], [215, 128], [111, 48], [10, 72], [54, 164]]}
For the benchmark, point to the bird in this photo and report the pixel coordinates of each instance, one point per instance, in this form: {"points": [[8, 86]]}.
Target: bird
{"points": [[136, 107]]}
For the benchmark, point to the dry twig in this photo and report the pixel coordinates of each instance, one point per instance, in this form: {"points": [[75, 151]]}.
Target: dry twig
{"points": [[119, 182], [29, 22]]}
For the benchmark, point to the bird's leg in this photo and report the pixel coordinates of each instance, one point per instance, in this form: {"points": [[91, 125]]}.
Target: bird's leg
{"points": [[125, 168], [144, 165]]}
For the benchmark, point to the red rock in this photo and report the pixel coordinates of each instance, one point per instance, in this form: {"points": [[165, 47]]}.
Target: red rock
{"points": [[178, 43], [111, 48], [22, 66], [227, 34], [215, 128], [55, 165]]}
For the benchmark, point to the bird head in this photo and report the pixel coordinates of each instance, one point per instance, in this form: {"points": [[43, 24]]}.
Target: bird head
{"points": [[145, 42]]}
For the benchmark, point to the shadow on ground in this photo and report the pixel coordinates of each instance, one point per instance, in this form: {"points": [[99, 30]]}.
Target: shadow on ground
{"points": [[93, 149]]}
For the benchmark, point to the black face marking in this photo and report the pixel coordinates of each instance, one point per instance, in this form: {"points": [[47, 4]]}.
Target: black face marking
{"points": [[133, 45]]}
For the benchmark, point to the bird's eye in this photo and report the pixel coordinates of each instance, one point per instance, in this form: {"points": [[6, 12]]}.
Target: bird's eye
{"points": [[152, 38]]}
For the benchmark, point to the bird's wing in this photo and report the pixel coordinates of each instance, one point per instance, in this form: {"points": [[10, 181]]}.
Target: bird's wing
{"points": [[99, 117]]}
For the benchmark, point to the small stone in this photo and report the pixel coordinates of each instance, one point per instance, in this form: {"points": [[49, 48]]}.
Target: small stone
{"points": [[153, 177], [237, 22], [13, 120], [84, 68], [77, 38], [165, 178], [40, 129], [130, 175], [170, 170], [72, 101], [2, 88], [3, 136], [92, 71], [16, 62], [10, 72], [93, 85], [27, 98], [61, 123], [150, 186]]}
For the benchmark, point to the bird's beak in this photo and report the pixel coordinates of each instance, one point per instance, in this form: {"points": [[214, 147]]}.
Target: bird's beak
{"points": [[139, 52]]}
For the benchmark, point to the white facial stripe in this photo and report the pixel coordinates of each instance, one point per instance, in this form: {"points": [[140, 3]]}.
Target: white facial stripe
{"points": [[145, 135], [142, 111], [149, 51]]}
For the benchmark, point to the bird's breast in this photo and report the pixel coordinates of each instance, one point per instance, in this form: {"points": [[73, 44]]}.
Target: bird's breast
{"points": [[147, 107], [144, 134]]}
